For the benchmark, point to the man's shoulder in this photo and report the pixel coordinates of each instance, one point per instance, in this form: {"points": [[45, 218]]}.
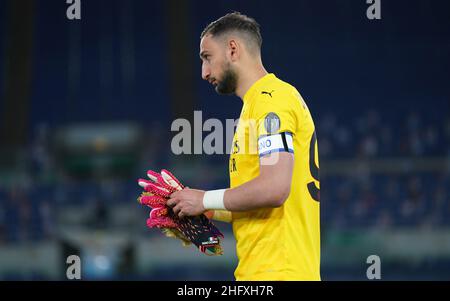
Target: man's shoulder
{"points": [[277, 94], [277, 89]]}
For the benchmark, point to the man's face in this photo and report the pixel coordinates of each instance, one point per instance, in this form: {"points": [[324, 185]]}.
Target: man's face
{"points": [[216, 67]]}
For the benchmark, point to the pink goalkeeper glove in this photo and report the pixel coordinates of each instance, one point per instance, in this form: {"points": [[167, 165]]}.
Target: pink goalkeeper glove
{"points": [[157, 192], [193, 229]]}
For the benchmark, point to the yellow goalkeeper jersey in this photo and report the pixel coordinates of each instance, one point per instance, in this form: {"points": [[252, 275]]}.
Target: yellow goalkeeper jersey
{"points": [[277, 243]]}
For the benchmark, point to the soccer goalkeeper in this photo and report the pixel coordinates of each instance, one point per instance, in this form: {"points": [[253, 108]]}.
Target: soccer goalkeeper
{"points": [[273, 201]]}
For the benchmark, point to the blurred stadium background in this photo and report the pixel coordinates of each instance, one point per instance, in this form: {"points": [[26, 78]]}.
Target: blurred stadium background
{"points": [[86, 108]]}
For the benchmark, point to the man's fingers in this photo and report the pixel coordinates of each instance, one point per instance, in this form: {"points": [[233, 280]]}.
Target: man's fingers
{"points": [[176, 209], [172, 202]]}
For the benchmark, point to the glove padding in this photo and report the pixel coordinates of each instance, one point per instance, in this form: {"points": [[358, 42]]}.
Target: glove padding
{"points": [[198, 230]]}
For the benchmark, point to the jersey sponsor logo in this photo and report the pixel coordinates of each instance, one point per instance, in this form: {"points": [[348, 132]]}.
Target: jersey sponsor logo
{"points": [[236, 147], [233, 167]]}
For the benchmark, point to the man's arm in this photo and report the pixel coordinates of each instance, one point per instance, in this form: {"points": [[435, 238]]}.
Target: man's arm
{"points": [[270, 189]]}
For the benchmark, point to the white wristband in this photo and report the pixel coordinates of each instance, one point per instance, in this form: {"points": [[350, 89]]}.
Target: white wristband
{"points": [[213, 199]]}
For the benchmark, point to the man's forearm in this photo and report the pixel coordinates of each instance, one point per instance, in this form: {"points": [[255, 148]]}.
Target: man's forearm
{"points": [[269, 189], [258, 193]]}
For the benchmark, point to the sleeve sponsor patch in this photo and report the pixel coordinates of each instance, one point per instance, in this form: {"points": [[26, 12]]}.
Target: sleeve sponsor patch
{"points": [[272, 123]]}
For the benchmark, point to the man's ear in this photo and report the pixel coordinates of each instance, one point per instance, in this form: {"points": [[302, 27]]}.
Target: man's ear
{"points": [[233, 50]]}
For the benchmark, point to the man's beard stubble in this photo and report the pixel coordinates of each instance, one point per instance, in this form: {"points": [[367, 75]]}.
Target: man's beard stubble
{"points": [[227, 85]]}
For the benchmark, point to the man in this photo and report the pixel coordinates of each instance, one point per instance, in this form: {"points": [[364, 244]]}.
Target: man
{"points": [[273, 201]]}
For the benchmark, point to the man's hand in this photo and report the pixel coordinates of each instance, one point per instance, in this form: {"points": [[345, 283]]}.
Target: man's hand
{"points": [[197, 229], [187, 202]]}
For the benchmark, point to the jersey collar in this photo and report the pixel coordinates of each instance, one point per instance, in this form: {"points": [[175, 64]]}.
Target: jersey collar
{"points": [[258, 85]]}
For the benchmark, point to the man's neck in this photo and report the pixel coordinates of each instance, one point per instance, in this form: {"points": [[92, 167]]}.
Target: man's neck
{"points": [[246, 80]]}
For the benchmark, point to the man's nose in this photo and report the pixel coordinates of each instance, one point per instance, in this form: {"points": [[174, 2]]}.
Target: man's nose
{"points": [[205, 73]]}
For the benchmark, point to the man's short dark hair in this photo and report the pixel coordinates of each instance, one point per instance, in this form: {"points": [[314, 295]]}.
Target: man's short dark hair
{"points": [[235, 21]]}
